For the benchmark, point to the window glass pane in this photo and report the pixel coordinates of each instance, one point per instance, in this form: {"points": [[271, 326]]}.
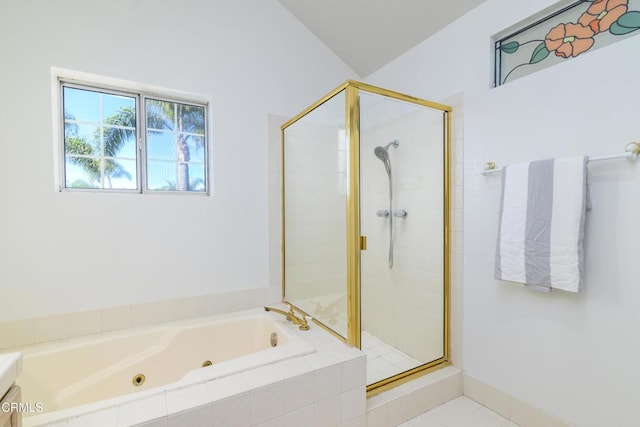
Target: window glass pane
{"points": [[87, 132], [161, 175], [160, 114], [161, 145], [81, 105], [99, 139], [127, 147], [196, 148], [197, 177], [118, 142], [114, 104], [191, 119], [81, 173], [120, 174], [176, 135]]}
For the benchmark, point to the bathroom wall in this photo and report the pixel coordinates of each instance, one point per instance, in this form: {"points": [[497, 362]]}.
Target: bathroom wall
{"points": [[563, 354], [67, 252]]}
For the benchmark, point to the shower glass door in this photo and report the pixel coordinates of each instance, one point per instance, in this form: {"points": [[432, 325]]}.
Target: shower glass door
{"points": [[315, 211], [402, 214]]}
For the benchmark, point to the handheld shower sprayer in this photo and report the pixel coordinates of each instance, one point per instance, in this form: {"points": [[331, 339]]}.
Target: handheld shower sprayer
{"points": [[383, 154]]}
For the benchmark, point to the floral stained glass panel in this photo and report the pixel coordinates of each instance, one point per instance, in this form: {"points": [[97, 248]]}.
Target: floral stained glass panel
{"points": [[576, 29]]}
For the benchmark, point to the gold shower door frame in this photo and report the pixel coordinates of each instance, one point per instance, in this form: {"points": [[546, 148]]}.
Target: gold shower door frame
{"points": [[357, 242]]}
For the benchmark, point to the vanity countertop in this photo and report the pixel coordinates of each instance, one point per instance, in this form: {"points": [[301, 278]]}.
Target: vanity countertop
{"points": [[10, 368]]}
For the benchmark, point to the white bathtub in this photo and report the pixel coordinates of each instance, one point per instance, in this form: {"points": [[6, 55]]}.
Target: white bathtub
{"points": [[81, 376]]}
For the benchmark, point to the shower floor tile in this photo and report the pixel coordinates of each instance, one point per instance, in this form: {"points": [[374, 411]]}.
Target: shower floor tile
{"points": [[383, 360]]}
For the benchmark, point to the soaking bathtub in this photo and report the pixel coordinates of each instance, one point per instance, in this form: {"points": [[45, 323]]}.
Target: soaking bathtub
{"points": [[79, 376]]}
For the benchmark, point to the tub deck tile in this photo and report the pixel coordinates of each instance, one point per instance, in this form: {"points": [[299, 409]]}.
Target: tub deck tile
{"points": [[328, 382], [293, 367], [222, 388], [186, 398], [197, 417], [299, 391], [262, 376], [327, 412], [232, 411], [104, 418], [267, 402], [141, 410]]}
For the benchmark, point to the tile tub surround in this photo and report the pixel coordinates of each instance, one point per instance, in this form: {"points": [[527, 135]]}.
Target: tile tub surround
{"points": [[329, 383], [10, 368], [18, 333]]}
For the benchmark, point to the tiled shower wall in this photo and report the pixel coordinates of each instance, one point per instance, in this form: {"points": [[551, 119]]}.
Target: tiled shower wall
{"points": [[404, 306], [315, 209]]}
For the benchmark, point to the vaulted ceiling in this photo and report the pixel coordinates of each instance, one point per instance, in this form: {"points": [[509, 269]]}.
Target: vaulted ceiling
{"points": [[367, 34]]}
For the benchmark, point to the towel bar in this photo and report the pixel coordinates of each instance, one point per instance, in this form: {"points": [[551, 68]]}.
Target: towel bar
{"points": [[631, 152]]}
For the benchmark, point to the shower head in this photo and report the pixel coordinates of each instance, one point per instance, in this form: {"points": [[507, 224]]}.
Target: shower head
{"points": [[383, 154]]}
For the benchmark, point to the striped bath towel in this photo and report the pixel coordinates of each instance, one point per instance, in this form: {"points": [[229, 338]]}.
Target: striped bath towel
{"points": [[541, 230]]}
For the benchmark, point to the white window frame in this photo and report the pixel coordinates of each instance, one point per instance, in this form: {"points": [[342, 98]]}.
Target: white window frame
{"points": [[85, 81]]}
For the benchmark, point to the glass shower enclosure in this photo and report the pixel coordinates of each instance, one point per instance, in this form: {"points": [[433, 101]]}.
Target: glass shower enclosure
{"points": [[365, 182]]}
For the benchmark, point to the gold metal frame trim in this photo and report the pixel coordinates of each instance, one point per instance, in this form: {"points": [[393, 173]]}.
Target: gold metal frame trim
{"points": [[398, 95], [316, 104], [447, 234], [353, 216], [404, 377]]}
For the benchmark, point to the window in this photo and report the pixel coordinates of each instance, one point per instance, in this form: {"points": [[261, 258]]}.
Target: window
{"points": [[122, 141], [555, 36]]}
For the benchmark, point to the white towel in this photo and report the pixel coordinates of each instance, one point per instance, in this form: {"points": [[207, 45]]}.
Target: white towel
{"points": [[541, 230]]}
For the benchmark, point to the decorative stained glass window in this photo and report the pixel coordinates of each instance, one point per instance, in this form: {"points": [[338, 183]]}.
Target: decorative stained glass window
{"points": [[575, 29]]}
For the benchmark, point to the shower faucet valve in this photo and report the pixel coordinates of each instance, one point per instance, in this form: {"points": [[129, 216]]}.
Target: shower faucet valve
{"points": [[400, 213]]}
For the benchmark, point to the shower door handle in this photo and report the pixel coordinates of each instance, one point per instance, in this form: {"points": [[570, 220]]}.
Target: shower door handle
{"points": [[363, 243]]}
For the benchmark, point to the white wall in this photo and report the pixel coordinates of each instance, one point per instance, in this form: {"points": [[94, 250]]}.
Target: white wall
{"points": [[65, 252], [572, 355]]}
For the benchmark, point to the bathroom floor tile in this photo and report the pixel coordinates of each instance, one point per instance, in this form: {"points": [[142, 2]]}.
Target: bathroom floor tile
{"points": [[460, 412]]}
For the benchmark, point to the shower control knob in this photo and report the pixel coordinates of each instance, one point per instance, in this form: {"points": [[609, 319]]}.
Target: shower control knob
{"points": [[401, 213], [382, 213]]}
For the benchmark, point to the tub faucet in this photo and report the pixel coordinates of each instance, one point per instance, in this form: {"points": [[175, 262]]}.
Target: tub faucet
{"points": [[291, 316]]}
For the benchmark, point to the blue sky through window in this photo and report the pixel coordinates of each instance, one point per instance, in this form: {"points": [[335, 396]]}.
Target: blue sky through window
{"points": [[93, 160]]}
